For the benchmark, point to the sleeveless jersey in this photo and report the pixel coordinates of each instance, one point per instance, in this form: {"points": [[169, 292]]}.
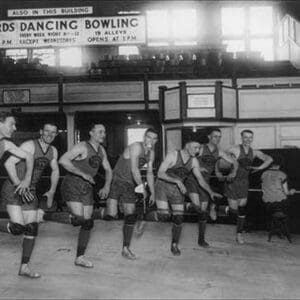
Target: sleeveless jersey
{"points": [[41, 161], [92, 162], [180, 170], [122, 169], [208, 160], [245, 161], [2, 148]]}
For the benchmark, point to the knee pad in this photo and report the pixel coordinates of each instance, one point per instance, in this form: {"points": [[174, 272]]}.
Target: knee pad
{"points": [[88, 224], [77, 220], [197, 208], [163, 217], [130, 219], [241, 211], [109, 218], [202, 216], [31, 229], [177, 219], [16, 228]]}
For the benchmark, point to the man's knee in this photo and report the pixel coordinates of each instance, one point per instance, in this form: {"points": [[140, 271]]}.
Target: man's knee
{"points": [[241, 211], [163, 216], [77, 220], [177, 219], [31, 229], [202, 216], [130, 219], [16, 228], [88, 224]]}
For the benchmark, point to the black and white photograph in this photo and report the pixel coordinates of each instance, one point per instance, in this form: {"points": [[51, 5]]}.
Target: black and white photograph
{"points": [[149, 149]]}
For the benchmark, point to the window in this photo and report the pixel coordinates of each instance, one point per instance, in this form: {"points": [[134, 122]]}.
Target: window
{"points": [[249, 28], [264, 46], [234, 45], [70, 57], [135, 134], [176, 27], [157, 25], [45, 56], [128, 50], [184, 26], [16, 54], [261, 20], [233, 21]]}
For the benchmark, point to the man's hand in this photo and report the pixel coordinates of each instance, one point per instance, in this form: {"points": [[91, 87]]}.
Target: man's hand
{"points": [[254, 169], [103, 193], [50, 196], [214, 195], [181, 187], [27, 196], [151, 200], [231, 176], [292, 191], [22, 187], [203, 170], [88, 178], [221, 177]]}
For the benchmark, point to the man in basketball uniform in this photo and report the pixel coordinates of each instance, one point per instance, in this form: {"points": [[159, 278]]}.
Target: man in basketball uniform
{"points": [[82, 163], [208, 155], [7, 127], [23, 214], [237, 190], [127, 179], [170, 188]]}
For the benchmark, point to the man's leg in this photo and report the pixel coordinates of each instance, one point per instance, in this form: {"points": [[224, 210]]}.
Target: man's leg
{"points": [[241, 216], [201, 209], [128, 227], [30, 234], [111, 210], [177, 219], [84, 237]]}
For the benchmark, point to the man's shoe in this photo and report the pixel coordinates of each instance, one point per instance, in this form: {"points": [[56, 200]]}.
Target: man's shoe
{"points": [[239, 239], [175, 250], [126, 253], [203, 244], [81, 261], [27, 272]]}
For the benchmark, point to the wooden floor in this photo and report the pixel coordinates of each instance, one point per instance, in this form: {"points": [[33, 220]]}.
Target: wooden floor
{"points": [[257, 269]]}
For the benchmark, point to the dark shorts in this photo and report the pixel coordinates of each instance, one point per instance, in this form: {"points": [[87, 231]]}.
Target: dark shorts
{"points": [[271, 207], [238, 189], [10, 198], [193, 186], [122, 191], [168, 192], [76, 189]]}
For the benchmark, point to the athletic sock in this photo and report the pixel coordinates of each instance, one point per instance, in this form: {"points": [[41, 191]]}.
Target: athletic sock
{"points": [[127, 234], [176, 232], [83, 239], [28, 244]]}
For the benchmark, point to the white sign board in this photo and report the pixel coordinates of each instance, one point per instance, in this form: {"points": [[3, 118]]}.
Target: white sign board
{"points": [[56, 11], [72, 32]]}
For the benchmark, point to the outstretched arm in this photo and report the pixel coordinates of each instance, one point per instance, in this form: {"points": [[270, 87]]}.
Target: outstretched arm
{"points": [[150, 177]]}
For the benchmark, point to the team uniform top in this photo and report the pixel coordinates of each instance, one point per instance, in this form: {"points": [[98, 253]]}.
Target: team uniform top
{"points": [[122, 170], [41, 161], [272, 181], [91, 163], [180, 170], [245, 161]]}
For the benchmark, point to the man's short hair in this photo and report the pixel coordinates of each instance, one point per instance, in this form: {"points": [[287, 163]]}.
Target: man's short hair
{"points": [[278, 160], [49, 123], [151, 129], [192, 139], [4, 115], [91, 126], [247, 131], [212, 129]]}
